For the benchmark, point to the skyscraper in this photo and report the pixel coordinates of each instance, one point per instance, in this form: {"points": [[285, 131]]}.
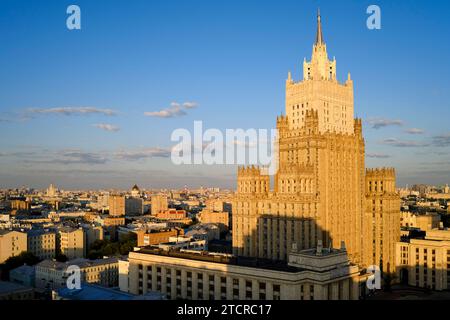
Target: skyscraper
{"points": [[319, 191]]}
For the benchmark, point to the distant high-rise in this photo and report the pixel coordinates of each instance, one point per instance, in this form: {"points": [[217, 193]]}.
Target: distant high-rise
{"points": [[159, 204], [134, 206], [51, 191], [116, 205]]}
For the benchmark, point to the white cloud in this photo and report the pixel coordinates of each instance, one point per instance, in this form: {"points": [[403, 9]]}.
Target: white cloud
{"points": [[175, 110], [442, 140], [415, 131], [377, 123], [190, 105], [68, 111], [67, 157], [144, 153], [394, 142], [107, 127], [377, 155]]}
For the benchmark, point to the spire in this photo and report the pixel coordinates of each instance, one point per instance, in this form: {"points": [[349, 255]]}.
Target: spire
{"points": [[319, 37]]}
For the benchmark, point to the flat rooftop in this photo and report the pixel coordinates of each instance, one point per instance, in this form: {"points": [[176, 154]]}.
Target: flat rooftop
{"points": [[221, 258], [9, 287], [80, 262], [95, 292]]}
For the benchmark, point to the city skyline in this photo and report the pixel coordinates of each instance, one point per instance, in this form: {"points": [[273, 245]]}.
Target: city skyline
{"points": [[87, 121], [139, 163]]}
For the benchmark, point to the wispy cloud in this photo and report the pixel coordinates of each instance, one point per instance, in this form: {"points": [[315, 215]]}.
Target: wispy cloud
{"points": [[441, 140], [377, 123], [415, 131], [145, 153], [394, 142], [175, 110], [71, 157], [377, 155], [190, 105], [107, 127], [80, 157], [19, 154], [69, 111]]}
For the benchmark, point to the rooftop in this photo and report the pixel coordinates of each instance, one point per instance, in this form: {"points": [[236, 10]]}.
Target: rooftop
{"points": [[220, 258], [95, 292], [80, 262], [24, 270], [37, 232], [7, 287]]}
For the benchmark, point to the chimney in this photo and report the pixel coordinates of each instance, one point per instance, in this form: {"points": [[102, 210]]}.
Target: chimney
{"points": [[343, 246], [319, 248]]}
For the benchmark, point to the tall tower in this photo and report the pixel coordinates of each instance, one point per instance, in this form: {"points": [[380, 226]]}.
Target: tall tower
{"points": [[382, 219], [320, 91], [319, 190]]}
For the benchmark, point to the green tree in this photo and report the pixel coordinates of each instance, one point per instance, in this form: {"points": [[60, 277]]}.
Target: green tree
{"points": [[102, 248], [61, 257]]}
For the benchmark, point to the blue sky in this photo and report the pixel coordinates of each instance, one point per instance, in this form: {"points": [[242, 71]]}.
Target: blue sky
{"points": [[231, 59]]}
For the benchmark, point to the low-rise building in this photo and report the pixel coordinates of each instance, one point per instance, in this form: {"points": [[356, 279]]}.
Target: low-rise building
{"points": [[219, 217], [172, 214], [179, 223], [92, 233], [204, 231], [425, 262], [427, 221], [108, 221], [314, 274], [153, 237], [53, 274], [12, 243], [21, 204], [42, 243], [14, 291], [24, 275], [70, 242]]}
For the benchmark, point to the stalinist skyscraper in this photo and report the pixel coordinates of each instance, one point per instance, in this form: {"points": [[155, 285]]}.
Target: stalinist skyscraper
{"points": [[321, 193]]}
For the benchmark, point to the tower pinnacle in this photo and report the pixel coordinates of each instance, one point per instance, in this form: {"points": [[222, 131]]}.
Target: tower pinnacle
{"points": [[319, 36]]}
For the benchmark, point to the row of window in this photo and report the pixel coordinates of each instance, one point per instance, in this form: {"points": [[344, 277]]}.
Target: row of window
{"points": [[211, 285]]}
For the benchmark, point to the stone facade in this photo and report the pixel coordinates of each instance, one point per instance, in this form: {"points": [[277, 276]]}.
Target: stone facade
{"points": [[42, 243], [382, 210], [116, 205], [319, 190], [53, 274], [204, 276], [425, 262], [12, 243]]}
